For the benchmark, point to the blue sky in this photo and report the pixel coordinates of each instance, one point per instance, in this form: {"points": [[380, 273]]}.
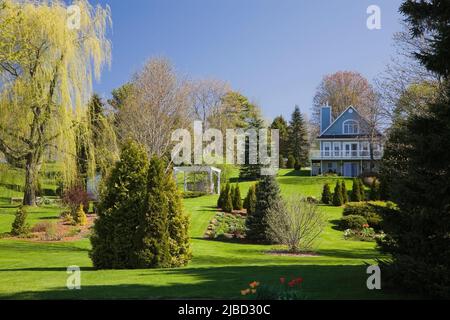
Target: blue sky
{"points": [[274, 52]]}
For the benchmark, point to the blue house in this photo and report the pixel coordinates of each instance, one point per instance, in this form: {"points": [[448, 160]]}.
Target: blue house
{"points": [[347, 145]]}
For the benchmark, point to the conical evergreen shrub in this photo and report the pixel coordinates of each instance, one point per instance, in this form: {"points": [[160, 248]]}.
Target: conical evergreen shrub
{"points": [[337, 196], [344, 192], [356, 192], [237, 200], [19, 226], [228, 201], [250, 200], [114, 232], [80, 216], [326, 194], [362, 189], [267, 193]]}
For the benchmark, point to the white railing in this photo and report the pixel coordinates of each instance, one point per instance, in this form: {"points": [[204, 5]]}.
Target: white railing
{"points": [[344, 154]]}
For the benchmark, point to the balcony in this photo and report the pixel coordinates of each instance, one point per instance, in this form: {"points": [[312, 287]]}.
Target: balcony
{"points": [[345, 155]]}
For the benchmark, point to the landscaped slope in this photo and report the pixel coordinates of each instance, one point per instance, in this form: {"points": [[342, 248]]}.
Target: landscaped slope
{"points": [[218, 270]]}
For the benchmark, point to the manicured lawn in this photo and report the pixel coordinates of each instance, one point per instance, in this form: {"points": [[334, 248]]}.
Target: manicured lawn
{"points": [[218, 269]]}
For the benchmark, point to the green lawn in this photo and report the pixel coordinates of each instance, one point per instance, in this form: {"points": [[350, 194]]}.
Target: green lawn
{"points": [[218, 270]]}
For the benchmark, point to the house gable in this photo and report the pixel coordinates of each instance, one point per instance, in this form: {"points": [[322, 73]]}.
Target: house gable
{"points": [[336, 128]]}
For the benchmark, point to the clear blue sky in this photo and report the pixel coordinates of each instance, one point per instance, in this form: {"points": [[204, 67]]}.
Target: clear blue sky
{"points": [[273, 51]]}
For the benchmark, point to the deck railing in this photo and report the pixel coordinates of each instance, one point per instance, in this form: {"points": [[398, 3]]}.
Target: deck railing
{"points": [[345, 155]]}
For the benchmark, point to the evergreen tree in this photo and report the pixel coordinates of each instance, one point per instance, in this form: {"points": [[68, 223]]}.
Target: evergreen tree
{"points": [[337, 196], [417, 165], [356, 192], [228, 202], [179, 241], [250, 200], [290, 162], [249, 171], [374, 194], [298, 138], [80, 216], [220, 201], [362, 189], [281, 124], [267, 193], [326, 194], [114, 231], [153, 240], [237, 200], [20, 226], [344, 192]]}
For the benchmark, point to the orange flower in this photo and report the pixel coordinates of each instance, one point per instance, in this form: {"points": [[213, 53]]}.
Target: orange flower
{"points": [[245, 292], [282, 280], [254, 284], [365, 225], [253, 291]]}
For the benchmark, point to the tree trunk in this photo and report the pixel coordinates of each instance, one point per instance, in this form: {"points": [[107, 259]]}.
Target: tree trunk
{"points": [[31, 179]]}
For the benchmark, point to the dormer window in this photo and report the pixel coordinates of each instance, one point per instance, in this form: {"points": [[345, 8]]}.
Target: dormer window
{"points": [[351, 127]]}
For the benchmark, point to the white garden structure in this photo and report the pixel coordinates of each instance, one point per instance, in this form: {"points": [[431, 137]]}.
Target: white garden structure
{"points": [[211, 171]]}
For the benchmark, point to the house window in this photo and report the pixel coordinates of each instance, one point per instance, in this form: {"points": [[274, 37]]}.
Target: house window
{"points": [[351, 127], [337, 149], [365, 149], [327, 149]]}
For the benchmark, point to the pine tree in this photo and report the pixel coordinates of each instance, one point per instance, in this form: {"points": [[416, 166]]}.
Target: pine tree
{"points": [[179, 241], [114, 233], [237, 200], [153, 240], [267, 193], [326, 194], [20, 226], [356, 192], [298, 139], [344, 192], [337, 196]]}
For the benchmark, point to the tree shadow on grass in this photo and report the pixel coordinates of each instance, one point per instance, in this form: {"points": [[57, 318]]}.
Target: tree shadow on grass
{"points": [[320, 282]]}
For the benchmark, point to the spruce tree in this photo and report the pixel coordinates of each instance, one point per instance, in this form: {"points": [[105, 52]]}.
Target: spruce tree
{"points": [[298, 139], [179, 241], [237, 200], [337, 195], [326, 194], [250, 171], [153, 240], [267, 193], [356, 192], [123, 199], [344, 192]]}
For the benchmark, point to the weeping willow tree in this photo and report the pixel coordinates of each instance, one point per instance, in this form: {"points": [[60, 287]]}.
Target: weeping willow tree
{"points": [[48, 58]]}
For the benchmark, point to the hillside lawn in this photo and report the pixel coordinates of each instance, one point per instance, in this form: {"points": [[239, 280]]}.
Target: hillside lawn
{"points": [[37, 270]]}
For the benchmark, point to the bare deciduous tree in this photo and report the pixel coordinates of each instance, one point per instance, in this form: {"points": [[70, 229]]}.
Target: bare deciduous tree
{"points": [[158, 104], [296, 223]]}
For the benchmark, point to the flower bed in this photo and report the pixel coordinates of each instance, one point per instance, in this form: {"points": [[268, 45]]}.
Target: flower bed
{"points": [[227, 226]]}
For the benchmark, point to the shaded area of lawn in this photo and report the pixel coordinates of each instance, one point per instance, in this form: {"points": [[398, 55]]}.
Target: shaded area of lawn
{"points": [[321, 282]]}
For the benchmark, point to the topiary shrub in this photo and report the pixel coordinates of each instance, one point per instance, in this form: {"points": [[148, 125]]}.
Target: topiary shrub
{"points": [[19, 226], [326, 194], [374, 194], [352, 222], [237, 200], [371, 211], [228, 201]]}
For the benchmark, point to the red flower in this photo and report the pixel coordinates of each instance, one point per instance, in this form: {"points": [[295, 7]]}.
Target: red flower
{"points": [[291, 283], [282, 280]]}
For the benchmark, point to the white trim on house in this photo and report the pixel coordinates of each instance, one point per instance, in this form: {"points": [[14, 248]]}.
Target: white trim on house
{"points": [[358, 127]]}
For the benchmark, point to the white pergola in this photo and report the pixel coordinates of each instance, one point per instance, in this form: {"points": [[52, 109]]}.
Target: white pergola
{"points": [[211, 171]]}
